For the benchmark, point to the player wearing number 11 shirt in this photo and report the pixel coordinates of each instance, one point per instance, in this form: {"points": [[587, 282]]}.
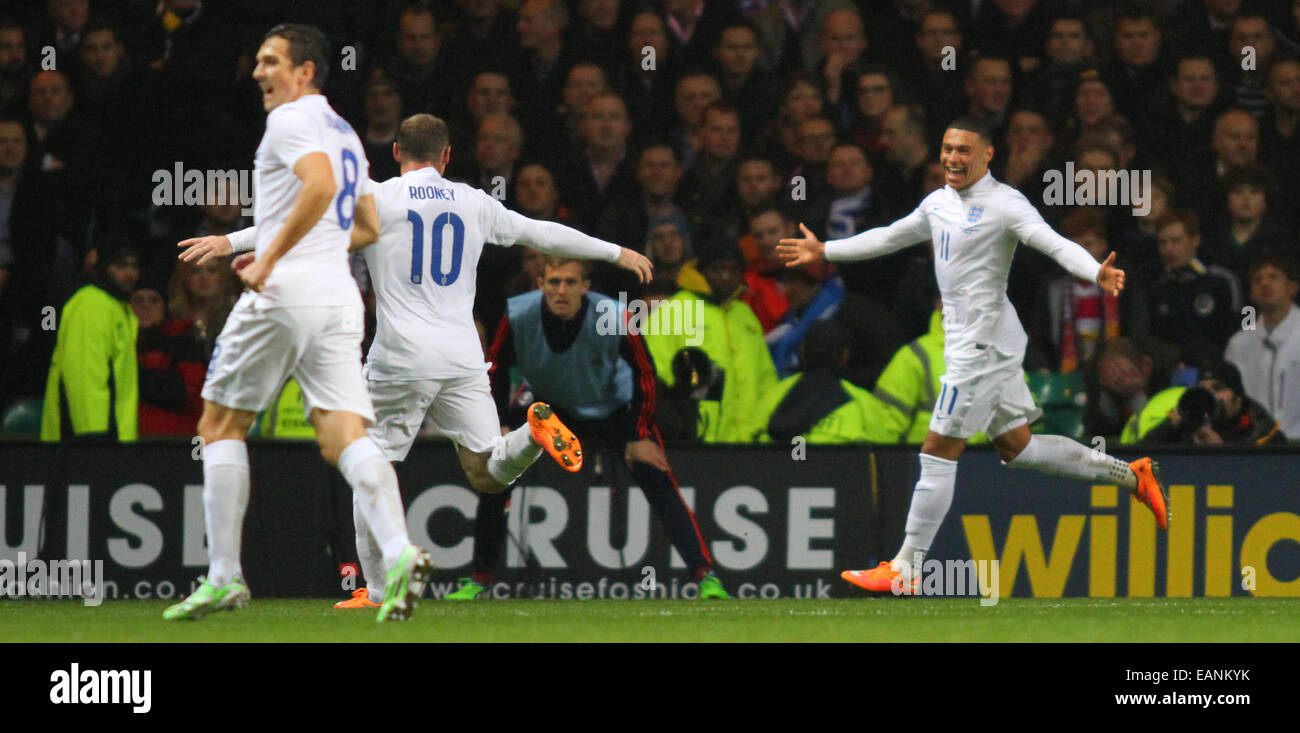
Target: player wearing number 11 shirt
{"points": [[975, 224], [301, 316]]}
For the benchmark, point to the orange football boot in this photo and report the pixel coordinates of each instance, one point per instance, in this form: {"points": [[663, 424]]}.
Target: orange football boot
{"points": [[1150, 491], [880, 579], [360, 599], [552, 435]]}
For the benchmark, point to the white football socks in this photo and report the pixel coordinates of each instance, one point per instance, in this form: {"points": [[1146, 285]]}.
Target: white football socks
{"points": [[372, 477], [368, 553], [1060, 456], [225, 497], [512, 454], [930, 501]]}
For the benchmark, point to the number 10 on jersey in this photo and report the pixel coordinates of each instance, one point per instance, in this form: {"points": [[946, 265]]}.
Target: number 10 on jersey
{"points": [[440, 224]]}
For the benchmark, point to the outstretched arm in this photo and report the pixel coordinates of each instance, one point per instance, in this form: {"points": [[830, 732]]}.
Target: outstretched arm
{"points": [[554, 238], [1028, 224], [911, 229]]}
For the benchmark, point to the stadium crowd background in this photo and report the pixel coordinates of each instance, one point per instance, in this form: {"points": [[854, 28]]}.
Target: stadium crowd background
{"points": [[696, 132]]}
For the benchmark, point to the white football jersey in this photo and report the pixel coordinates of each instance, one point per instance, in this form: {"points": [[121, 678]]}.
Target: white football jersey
{"points": [[315, 271], [423, 270], [974, 232]]}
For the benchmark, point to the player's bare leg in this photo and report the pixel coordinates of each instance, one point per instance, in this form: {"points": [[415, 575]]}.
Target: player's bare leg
{"points": [[930, 501], [344, 443], [493, 471], [1059, 456], [225, 498]]}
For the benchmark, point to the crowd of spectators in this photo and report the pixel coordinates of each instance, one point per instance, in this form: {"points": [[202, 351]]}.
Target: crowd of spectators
{"points": [[699, 133]]}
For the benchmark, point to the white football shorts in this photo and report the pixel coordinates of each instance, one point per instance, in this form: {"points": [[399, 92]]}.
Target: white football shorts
{"points": [[983, 389], [460, 408], [260, 348]]}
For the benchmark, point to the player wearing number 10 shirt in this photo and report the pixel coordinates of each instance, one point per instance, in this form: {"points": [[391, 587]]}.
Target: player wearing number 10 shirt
{"points": [[426, 358]]}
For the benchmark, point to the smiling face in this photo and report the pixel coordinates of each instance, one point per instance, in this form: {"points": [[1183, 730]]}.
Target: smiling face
{"points": [[279, 79], [965, 157]]}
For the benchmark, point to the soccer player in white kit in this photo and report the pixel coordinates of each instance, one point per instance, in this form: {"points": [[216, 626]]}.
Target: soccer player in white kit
{"points": [[974, 223], [302, 316], [426, 358]]}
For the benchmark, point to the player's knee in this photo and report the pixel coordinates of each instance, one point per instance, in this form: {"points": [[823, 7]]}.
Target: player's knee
{"points": [[1006, 452]]}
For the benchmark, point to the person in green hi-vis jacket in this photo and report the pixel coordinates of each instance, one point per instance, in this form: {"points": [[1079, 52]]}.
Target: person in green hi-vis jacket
{"points": [[726, 329], [93, 386], [911, 382], [817, 403]]}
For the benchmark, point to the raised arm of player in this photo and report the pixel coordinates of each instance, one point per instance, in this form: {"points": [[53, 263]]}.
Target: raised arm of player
{"points": [[314, 198], [911, 229], [1028, 224], [508, 227]]}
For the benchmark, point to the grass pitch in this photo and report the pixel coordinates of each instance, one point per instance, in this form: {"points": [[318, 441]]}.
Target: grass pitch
{"points": [[841, 620]]}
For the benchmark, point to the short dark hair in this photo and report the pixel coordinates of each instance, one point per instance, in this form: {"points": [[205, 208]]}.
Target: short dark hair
{"points": [[720, 106], [1084, 220], [1190, 221], [1251, 174], [98, 24], [306, 43], [975, 125], [423, 137], [656, 143], [1284, 264]]}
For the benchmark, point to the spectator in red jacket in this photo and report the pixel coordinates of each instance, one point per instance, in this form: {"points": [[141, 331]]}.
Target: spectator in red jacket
{"points": [[171, 367]]}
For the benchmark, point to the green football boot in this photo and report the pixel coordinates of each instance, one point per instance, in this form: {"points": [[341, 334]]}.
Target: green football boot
{"points": [[210, 599], [405, 583], [468, 591], [711, 587]]}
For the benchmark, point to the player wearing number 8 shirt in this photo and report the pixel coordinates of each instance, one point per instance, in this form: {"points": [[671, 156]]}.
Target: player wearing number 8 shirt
{"points": [[975, 223], [301, 316]]}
